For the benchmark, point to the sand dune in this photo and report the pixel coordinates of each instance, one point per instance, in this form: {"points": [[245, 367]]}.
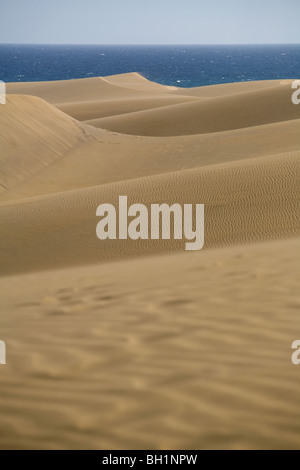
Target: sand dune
{"points": [[33, 135], [89, 89], [213, 115], [112, 158], [130, 84], [91, 111], [135, 81], [66, 91], [229, 89], [245, 201], [114, 345]]}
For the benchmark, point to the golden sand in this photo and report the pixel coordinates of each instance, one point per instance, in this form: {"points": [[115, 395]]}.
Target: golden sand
{"points": [[140, 345]]}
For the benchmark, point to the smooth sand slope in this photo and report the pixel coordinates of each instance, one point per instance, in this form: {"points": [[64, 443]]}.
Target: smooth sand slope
{"points": [[114, 345], [179, 352], [33, 135], [223, 113], [92, 111]]}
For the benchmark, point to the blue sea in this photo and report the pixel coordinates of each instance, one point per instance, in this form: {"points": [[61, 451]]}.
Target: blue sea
{"points": [[183, 66]]}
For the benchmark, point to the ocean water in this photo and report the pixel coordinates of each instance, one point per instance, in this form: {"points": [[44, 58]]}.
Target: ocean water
{"points": [[183, 66]]}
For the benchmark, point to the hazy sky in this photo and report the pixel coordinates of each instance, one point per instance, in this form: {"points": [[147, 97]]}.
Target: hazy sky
{"points": [[149, 22]]}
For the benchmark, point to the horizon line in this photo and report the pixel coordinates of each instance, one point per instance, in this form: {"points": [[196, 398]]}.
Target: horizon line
{"points": [[147, 45]]}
